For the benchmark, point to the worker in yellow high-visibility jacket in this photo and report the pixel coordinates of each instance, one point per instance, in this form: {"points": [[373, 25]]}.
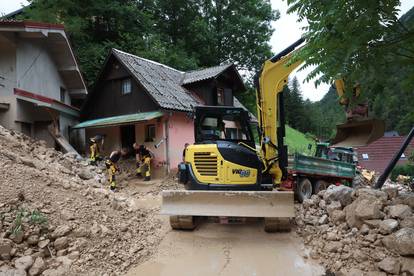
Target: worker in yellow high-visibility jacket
{"points": [[144, 157], [112, 168]]}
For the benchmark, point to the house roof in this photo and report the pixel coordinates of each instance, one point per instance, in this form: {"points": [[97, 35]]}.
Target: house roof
{"points": [[204, 74], [378, 154], [162, 82]]}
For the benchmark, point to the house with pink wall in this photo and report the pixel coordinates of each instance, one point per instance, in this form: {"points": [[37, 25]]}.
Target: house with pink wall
{"points": [[136, 100]]}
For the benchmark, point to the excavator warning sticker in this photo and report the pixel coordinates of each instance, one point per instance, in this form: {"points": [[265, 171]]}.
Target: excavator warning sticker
{"points": [[242, 173]]}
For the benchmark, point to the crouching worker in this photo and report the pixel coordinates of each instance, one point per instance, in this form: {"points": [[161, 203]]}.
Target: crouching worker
{"points": [[144, 157], [112, 168]]}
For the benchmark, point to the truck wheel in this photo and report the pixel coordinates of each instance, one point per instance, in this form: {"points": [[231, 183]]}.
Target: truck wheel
{"points": [[303, 189], [319, 186]]}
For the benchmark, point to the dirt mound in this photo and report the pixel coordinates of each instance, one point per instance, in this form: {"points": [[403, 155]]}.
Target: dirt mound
{"points": [[359, 232], [57, 216]]}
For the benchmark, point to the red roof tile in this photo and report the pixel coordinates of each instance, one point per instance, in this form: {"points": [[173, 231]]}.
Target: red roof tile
{"points": [[382, 151]]}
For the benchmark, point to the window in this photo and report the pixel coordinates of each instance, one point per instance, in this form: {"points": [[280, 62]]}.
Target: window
{"points": [[126, 87], [365, 156], [149, 133], [403, 156], [220, 96], [62, 95]]}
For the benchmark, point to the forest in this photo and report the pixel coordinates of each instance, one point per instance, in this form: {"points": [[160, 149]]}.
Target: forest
{"points": [[190, 34]]}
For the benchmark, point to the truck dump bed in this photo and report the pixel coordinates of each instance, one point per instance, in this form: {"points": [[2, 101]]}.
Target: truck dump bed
{"points": [[308, 165]]}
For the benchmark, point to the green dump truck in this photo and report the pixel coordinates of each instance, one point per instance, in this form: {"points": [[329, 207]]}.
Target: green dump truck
{"points": [[330, 165]]}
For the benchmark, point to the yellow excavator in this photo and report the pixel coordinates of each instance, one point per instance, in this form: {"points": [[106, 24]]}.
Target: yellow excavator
{"points": [[225, 175]]}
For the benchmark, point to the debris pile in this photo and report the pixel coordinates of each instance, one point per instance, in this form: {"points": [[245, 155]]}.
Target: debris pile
{"points": [[58, 218], [359, 232]]}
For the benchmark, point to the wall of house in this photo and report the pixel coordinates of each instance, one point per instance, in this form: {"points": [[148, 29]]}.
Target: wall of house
{"points": [[108, 100], [35, 69], [181, 131], [8, 81], [112, 138]]}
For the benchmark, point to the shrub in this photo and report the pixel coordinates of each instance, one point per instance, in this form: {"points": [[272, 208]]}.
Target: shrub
{"points": [[406, 169]]}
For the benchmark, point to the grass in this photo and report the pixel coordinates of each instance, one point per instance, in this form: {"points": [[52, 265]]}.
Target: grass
{"points": [[298, 142]]}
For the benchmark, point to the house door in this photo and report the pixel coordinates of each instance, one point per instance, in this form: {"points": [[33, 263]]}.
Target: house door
{"points": [[127, 137]]}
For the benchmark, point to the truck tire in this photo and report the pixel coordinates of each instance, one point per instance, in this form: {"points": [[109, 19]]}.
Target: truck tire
{"points": [[319, 185], [303, 189]]}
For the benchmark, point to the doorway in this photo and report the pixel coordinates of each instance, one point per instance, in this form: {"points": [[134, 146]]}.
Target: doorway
{"points": [[128, 138]]}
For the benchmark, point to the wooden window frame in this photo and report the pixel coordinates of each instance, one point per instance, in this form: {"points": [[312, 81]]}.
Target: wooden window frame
{"points": [[123, 85], [150, 133]]}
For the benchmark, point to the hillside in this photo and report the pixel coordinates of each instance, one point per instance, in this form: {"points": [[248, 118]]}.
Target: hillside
{"points": [[298, 142]]}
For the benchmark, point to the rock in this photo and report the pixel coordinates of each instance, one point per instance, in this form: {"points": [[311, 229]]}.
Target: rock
{"points": [[66, 215], [355, 272], [322, 204], [373, 223], [17, 237], [375, 273], [23, 263], [407, 199], [8, 271], [399, 211], [407, 265], [343, 194], [61, 231], [95, 229], [33, 239], [408, 222], [372, 194], [333, 246], [74, 255], [62, 252], [367, 209], [388, 226], [37, 267], [350, 216], [391, 192], [390, 265], [401, 241], [81, 231], [85, 174], [43, 243], [61, 243], [5, 249], [338, 216], [364, 229], [27, 162], [334, 205], [323, 219], [307, 203], [331, 236]]}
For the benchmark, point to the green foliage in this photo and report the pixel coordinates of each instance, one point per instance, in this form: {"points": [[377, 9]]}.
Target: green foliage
{"points": [[182, 34], [17, 223], [298, 142], [36, 217], [406, 170]]}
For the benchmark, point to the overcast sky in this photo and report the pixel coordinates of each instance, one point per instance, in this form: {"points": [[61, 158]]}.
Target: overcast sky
{"points": [[287, 31]]}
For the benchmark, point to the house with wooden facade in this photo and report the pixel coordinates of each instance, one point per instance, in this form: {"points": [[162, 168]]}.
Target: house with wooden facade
{"points": [[142, 101], [41, 87]]}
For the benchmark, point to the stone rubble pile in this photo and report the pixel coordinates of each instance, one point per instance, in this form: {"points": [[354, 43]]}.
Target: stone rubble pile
{"points": [[57, 217], [359, 232]]}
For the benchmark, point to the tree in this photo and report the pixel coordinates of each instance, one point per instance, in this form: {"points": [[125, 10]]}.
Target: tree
{"points": [[183, 34]]}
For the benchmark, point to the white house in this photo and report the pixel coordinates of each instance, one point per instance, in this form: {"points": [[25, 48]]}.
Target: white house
{"points": [[40, 81]]}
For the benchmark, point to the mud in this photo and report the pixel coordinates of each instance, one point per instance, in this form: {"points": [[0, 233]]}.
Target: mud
{"points": [[217, 249]]}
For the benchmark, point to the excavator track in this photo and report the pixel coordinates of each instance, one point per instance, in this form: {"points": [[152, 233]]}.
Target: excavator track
{"points": [[272, 225], [183, 222]]}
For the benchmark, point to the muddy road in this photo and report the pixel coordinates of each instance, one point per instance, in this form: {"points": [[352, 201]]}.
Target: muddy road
{"points": [[220, 249]]}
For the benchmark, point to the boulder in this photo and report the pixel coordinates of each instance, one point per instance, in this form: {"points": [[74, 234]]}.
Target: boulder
{"points": [[338, 216], [43, 243], [406, 198], [373, 223], [388, 226], [5, 249], [350, 216], [343, 194], [323, 219], [33, 239], [23, 263], [334, 205], [390, 265], [85, 174], [8, 271], [408, 222], [37, 267], [368, 193], [399, 211], [401, 242], [368, 209], [61, 231], [333, 247], [391, 192], [61, 243], [407, 265]]}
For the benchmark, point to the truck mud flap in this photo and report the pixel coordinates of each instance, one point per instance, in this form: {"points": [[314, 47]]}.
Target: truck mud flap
{"points": [[270, 204], [358, 133]]}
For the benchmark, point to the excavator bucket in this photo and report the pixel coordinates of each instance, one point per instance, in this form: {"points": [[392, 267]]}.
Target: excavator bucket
{"points": [[267, 204], [358, 133]]}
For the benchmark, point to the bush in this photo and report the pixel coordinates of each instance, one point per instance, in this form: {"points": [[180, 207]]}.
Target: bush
{"points": [[406, 169]]}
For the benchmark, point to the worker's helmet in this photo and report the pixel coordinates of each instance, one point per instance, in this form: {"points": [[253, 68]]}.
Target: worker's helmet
{"points": [[93, 140], [115, 156]]}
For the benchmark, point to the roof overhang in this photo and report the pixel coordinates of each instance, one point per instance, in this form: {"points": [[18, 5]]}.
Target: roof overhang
{"points": [[58, 46], [120, 120], [43, 101]]}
